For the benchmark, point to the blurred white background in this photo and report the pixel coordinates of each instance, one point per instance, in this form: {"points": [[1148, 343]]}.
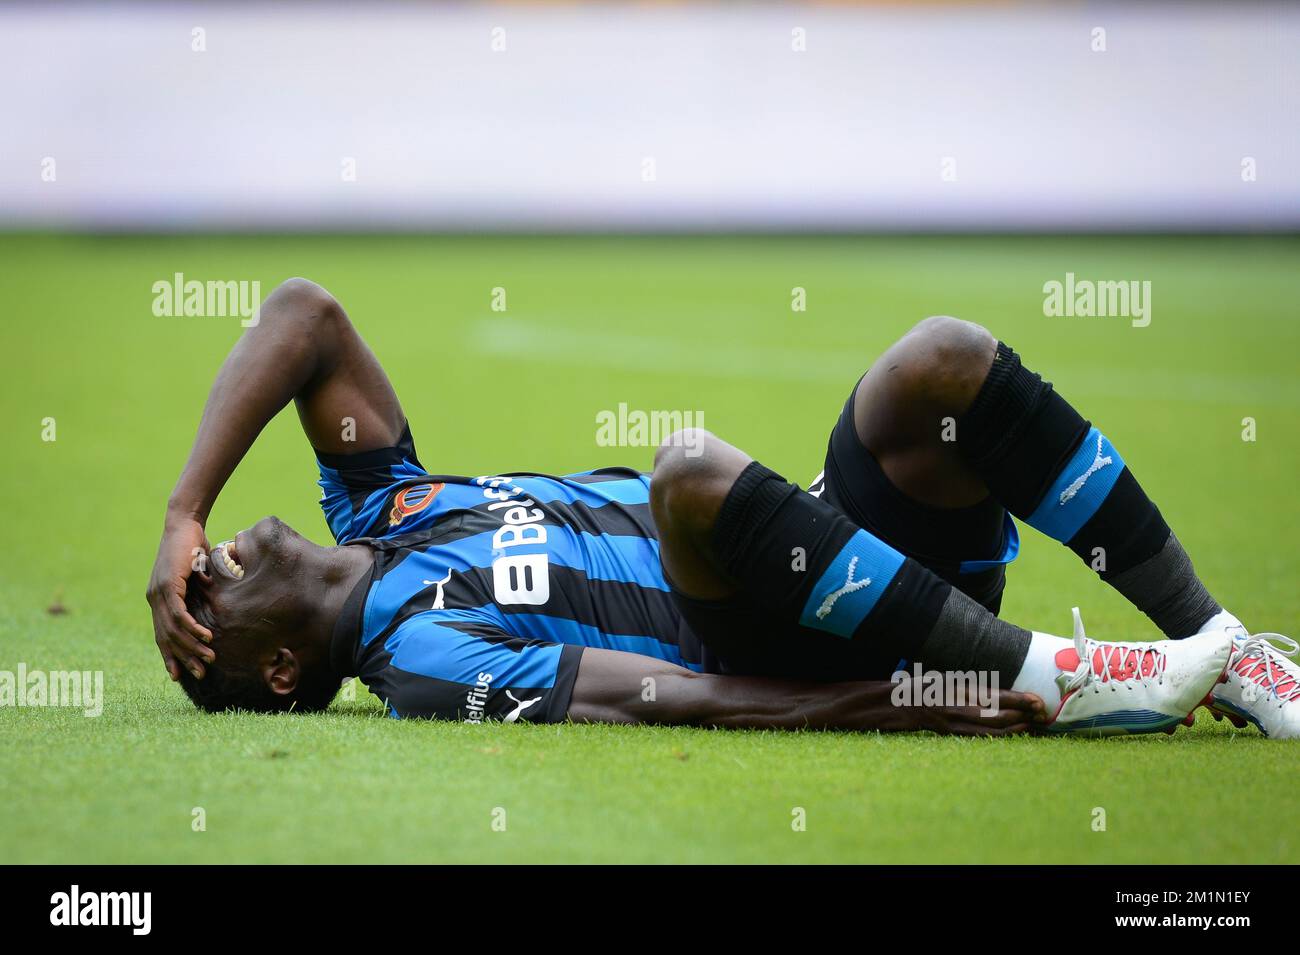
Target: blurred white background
{"points": [[650, 117]]}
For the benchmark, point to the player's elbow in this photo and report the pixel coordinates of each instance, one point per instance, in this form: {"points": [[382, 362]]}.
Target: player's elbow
{"points": [[302, 302], [306, 323]]}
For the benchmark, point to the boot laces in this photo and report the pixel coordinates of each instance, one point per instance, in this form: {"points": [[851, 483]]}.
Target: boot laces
{"points": [[1115, 661], [1264, 659]]}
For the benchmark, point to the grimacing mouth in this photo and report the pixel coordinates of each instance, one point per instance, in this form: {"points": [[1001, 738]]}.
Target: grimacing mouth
{"points": [[225, 559]]}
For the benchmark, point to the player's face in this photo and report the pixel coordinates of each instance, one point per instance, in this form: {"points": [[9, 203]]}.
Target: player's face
{"points": [[257, 579]]}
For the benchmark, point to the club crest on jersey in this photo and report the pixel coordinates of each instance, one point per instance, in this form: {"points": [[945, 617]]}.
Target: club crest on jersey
{"points": [[412, 500]]}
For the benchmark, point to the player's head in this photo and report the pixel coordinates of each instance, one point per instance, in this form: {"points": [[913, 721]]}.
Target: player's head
{"points": [[263, 606]]}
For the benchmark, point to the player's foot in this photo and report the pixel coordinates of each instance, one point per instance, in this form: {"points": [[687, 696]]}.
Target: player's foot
{"points": [[1263, 686], [1110, 688]]}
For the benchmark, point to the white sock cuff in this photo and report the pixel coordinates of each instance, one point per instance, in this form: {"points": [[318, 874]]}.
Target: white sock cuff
{"points": [[1223, 621], [1038, 673]]}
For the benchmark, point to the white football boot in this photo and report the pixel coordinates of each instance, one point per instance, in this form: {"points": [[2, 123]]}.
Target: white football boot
{"points": [[1263, 686], [1112, 688]]}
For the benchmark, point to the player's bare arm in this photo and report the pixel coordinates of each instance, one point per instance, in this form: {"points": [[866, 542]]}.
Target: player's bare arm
{"points": [[614, 687], [303, 349]]}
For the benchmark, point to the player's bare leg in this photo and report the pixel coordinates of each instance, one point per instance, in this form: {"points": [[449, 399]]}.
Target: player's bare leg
{"points": [[951, 415], [686, 494], [903, 406]]}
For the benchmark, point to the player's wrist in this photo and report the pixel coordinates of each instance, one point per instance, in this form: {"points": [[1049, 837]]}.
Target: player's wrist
{"points": [[180, 512]]}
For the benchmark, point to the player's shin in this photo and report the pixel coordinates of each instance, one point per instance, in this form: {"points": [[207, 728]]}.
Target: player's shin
{"points": [[805, 563], [1058, 473], [802, 562]]}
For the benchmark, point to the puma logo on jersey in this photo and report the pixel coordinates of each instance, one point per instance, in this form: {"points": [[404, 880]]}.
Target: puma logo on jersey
{"points": [[850, 585], [1077, 484], [437, 597], [520, 706], [818, 484]]}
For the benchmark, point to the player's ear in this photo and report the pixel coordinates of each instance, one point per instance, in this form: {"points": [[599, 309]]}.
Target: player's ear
{"points": [[281, 671]]}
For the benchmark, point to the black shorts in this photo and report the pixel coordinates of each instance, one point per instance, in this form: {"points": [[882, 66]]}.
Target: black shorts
{"points": [[968, 547]]}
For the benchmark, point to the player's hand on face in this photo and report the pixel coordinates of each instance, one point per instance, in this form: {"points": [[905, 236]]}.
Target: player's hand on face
{"points": [[1015, 713], [181, 639]]}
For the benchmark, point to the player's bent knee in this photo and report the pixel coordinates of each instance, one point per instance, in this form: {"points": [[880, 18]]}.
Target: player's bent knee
{"points": [[693, 472], [944, 359], [684, 442], [953, 342], [678, 473]]}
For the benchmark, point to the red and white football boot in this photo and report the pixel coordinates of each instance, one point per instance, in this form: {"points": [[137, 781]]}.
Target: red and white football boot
{"points": [[1110, 687], [1263, 686]]}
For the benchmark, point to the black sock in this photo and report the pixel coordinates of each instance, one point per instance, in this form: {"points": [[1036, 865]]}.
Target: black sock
{"points": [[802, 561], [1055, 471]]}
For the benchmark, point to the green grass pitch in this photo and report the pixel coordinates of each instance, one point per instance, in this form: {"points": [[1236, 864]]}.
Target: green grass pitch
{"points": [[702, 324]]}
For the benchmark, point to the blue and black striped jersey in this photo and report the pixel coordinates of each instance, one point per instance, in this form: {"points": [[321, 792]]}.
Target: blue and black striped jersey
{"points": [[485, 591]]}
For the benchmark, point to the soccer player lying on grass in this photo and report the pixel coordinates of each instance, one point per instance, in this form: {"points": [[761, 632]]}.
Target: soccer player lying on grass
{"points": [[711, 592]]}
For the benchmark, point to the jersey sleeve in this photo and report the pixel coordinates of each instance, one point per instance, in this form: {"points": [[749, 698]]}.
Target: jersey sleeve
{"points": [[356, 487], [446, 665]]}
